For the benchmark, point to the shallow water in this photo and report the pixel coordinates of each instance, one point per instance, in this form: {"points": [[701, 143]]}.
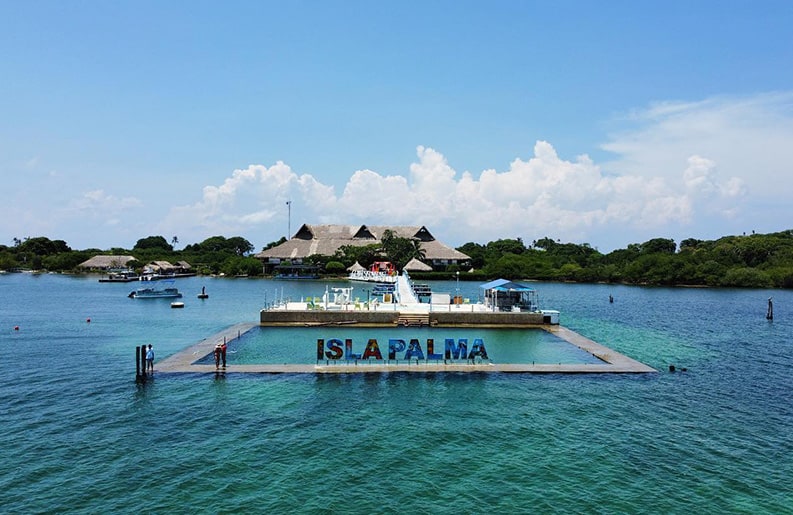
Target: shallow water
{"points": [[276, 345], [83, 437]]}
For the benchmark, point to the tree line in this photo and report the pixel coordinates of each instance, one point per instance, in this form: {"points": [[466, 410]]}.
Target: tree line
{"points": [[756, 260]]}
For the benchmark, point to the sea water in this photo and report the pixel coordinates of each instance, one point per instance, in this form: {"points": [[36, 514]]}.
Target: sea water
{"points": [[82, 437]]}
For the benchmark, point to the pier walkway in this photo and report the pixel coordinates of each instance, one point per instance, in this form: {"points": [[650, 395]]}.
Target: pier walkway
{"points": [[405, 291]]}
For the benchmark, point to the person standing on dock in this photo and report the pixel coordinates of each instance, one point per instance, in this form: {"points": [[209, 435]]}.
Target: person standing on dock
{"points": [[223, 353], [217, 356], [150, 359]]}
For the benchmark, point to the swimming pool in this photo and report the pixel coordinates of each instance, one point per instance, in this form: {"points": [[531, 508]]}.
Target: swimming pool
{"points": [[304, 345]]}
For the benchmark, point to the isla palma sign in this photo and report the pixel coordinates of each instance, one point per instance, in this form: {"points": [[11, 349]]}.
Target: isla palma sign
{"points": [[336, 349]]}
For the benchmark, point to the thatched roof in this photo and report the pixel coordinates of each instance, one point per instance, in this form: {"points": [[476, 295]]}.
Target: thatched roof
{"points": [[355, 266], [105, 262], [414, 265], [327, 239], [160, 265]]}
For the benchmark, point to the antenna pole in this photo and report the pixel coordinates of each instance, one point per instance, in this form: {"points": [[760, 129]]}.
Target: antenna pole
{"points": [[289, 226]]}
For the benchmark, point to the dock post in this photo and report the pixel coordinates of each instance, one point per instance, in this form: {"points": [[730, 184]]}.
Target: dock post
{"points": [[140, 364], [143, 360]]}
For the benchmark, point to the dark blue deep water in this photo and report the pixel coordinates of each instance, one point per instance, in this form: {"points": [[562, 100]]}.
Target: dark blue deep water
{"points": [[82, 437]]}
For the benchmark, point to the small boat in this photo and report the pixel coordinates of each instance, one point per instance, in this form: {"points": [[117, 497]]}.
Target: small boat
{"points": [[379, 272], [120, 276], [155, 293], [177, 304], [296, 272]]}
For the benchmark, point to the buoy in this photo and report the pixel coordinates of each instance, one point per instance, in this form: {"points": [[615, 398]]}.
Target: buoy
{"points": [[671, 368], [88, 320], [16, 328]]}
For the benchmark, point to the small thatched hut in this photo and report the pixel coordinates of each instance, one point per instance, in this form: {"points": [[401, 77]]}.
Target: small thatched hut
{"points": [[105, 263]]}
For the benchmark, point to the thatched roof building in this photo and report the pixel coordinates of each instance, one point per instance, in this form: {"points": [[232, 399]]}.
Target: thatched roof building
{"points": [[355, 266], [327, 239], [414, 265], [166, 267], [105, 262]]}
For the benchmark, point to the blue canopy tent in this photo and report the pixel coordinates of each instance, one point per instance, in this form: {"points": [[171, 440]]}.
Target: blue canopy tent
{"points": [[505, 295]]}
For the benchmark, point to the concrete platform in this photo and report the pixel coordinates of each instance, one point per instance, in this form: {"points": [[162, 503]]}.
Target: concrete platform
{"points": [[613, 362]]}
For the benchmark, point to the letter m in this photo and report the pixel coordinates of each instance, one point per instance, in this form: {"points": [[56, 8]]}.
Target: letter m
{"points": [[454, 350]]}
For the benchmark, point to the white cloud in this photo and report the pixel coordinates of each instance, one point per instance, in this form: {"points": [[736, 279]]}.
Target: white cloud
{"points": [[99, 203], [681, 169]]}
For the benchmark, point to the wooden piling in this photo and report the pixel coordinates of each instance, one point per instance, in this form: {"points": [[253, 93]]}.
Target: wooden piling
{"points": [[137, 362], [140, 364]]}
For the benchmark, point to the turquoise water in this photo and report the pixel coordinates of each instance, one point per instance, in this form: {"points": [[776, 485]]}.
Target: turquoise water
{"points": [[276, 345], [82, 437]]}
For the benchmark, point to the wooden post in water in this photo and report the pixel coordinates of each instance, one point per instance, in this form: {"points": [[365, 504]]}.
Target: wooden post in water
{"points": [[142, 361], [140, 364], [137, 363]]}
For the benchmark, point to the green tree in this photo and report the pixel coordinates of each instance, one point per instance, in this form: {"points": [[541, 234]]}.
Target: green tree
{"points": [[153, 243], [274, 243], [400, 250], [335, 267], [476, 252], [658, 245], [41, 246], [746, 278]]}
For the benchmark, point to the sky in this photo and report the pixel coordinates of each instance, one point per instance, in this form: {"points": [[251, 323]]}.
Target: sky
{"points": [[607, 123]]}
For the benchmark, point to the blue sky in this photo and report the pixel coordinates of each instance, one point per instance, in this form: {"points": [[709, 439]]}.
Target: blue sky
{"points": [[605, 123]]}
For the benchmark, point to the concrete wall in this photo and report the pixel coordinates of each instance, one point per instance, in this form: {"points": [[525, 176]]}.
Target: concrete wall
{"points": [[386, 318], [487, 318], [328, 317]]}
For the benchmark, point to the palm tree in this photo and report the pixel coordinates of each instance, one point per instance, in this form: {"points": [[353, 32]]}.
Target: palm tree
{"points": [[174, 242], [418, 251]]}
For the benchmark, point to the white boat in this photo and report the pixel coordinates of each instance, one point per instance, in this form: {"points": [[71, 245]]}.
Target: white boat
{"points": [[155, 293], [379, 272], [120, 276]]}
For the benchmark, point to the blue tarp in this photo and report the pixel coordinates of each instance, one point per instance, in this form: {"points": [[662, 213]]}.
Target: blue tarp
{"points": [[505, 285]]}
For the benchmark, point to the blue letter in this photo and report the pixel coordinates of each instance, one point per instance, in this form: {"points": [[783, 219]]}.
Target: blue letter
{"points": [[431, 350], [372, 350], [348, 348], [453, 350], [478, 349], [334, 349], [414, 350], [395, 346]]}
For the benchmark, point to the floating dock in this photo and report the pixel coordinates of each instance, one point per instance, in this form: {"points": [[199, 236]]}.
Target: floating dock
{"points": [[338, 307]]}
